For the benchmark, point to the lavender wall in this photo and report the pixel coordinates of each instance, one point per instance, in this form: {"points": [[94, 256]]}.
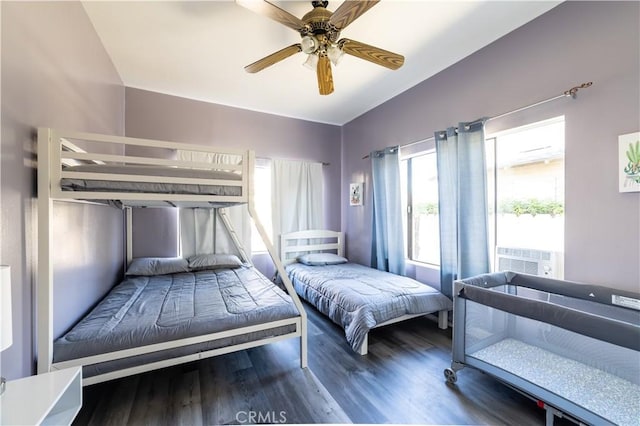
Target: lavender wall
{"points": [[573, 43], [55, 73], [158, 116]]}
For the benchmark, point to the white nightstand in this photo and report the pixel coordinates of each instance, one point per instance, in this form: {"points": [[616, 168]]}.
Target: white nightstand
{"points": [[51, 398]]}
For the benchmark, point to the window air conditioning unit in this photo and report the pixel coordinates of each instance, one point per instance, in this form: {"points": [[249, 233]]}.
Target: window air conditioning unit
{"points": [[528, 261]]}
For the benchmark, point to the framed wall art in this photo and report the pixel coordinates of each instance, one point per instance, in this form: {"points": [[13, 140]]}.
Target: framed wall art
{"points": [[629, 162], [355, 194]]}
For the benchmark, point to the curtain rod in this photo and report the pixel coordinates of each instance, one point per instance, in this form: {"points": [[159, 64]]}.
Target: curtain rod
{"points": [[324, 163], [567, 93]]}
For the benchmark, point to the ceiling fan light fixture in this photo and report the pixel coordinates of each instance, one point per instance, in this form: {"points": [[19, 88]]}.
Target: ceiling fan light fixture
{"points": [[320, 31], [311, 62], [309, 44], [334, 53]]}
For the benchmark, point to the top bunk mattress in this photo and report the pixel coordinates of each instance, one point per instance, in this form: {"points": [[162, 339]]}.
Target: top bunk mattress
{"points": [[144, 310], [106, 185]]}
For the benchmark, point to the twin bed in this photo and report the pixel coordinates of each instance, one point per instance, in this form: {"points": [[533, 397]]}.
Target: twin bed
{"points": [[356, 297]]}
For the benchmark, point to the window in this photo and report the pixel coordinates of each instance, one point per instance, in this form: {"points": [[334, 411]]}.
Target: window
{"points": [[525, 185], [421, 195], [527, 175]]}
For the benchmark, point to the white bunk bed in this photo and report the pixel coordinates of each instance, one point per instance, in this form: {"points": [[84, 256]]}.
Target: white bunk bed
{"points": [[74, 166], [354, 296]]}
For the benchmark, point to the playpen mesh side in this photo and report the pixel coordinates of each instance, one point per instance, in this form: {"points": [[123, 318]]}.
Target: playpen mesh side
{"points": [[602, 377]]}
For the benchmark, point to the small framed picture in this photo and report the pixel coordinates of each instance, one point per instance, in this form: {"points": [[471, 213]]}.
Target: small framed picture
{"points": [[629, 162], [355, 194]]}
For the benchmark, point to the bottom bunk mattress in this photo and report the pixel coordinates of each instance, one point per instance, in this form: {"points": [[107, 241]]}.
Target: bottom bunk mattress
{"points": [[145, 310], [359, 298]]}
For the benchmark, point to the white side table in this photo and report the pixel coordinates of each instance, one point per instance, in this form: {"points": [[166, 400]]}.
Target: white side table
{"points": [[51, 398]]}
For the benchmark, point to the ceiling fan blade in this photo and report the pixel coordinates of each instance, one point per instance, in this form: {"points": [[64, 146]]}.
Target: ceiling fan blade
{"points": [[272, 11], [267, 61], [372, 54], [349, 11], [325, 77]]}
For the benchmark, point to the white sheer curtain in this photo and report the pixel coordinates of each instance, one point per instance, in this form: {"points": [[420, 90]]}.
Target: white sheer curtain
{"points": [[297, 197], [262, 198], [208, 157], [201, 232]]}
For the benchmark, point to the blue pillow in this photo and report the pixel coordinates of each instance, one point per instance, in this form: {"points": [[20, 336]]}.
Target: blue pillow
{"points": [[319, 259], [200, 262], [157, 266]]}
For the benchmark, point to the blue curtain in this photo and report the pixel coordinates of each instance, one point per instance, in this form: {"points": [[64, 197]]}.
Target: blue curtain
{"points": [[387, 245], [462, 191]]}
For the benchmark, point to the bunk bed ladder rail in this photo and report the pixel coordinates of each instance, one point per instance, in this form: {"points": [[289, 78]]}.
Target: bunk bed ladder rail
{"points": [[278, 264], [226, 221]]}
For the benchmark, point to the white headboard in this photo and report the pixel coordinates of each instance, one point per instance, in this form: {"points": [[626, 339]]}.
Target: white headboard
{"points": [[296, 243]]}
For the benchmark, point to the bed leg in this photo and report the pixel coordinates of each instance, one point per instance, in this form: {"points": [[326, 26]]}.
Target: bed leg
{"points": [[443, 319], [364, 348], [303, 351]]}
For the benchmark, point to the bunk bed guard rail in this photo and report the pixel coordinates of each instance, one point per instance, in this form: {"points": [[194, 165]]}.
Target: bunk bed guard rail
{"points": [[101, 167]]}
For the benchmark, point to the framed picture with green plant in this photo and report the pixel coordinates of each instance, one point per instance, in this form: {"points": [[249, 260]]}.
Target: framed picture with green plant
{"points": [[629, 162]]}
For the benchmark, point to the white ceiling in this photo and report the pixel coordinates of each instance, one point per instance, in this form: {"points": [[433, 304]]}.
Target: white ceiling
{"points": [[198, 50]]}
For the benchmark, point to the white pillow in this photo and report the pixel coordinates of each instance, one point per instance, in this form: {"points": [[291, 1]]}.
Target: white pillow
{"points": [[319, 259], [201, 262], [157, 266]]}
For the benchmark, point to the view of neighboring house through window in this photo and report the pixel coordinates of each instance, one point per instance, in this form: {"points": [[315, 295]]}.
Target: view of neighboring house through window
{"points": [[525, 185], [528, 193]]}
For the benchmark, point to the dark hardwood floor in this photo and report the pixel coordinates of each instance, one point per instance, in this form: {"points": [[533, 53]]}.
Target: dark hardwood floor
{"points": [[400, 381]]}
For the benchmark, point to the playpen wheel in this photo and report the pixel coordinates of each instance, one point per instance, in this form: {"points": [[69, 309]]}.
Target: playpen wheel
{"points": [[450, 375]]}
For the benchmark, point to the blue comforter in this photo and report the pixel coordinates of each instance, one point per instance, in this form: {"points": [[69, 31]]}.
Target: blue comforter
{"points": [[146, 310], [359, 298]]}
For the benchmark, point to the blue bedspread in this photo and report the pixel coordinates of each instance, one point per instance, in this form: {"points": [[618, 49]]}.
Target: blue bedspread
{"points": [[359, 298], [146, 310]]}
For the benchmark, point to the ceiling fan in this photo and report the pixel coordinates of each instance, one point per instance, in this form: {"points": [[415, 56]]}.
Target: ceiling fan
{"points": [[320, 29]]}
